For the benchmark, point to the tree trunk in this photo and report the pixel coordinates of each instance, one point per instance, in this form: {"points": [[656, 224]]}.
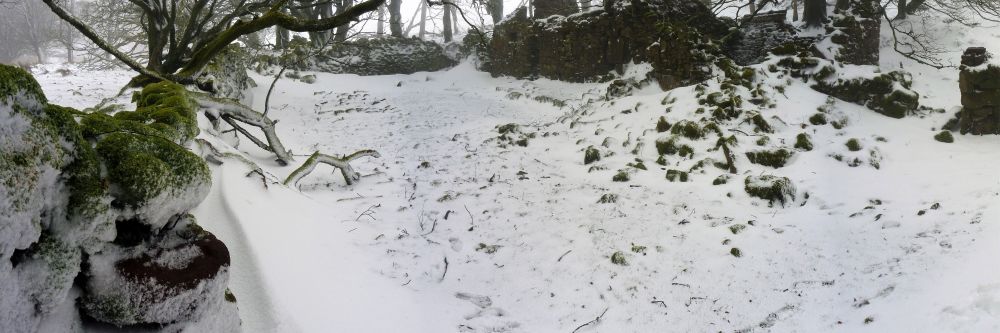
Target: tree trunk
{"points": [[380, 30], [280, 38], [344, 29], [446, 21], [753, 6], [901, 9], [423, 19], [814, 12], [795, 10], [496, 10], [395, 18], [843, 4]]}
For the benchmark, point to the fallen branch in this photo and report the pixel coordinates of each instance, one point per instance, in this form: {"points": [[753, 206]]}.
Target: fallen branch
{"points": [[596, 320], [350, 176], [230, 110]]}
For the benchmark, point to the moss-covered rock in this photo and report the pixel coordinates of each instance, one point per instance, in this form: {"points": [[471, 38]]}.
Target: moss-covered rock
{"points": [[853, 144], [773, 158], [17, 81], [945, 137], [818, 119], [662, 125], [770, 188], [688, 129], [591, 155], [152, 176], [618, 258], [677, 176], [803, 141], [621, 176]]}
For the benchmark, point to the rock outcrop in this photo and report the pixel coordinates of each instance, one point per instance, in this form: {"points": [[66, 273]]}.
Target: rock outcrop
{"points": [[979, 81], [99, 204], [674, 36]]}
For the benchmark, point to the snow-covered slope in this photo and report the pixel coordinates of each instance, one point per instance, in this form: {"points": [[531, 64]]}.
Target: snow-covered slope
{"points": [[456, 229]]}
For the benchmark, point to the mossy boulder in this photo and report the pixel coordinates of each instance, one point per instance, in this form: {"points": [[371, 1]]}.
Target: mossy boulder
{"points": [[853, 144], [591, 155], [770, 188], [688, 129], [153, 176], [803, 142], [677, 176], [773, 158], [945, 137]]}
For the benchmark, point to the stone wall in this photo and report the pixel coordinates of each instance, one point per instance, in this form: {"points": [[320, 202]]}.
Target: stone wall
{"points": [[673, 35], [761, 34], [375, 56], [856, 31], [979, 81]]}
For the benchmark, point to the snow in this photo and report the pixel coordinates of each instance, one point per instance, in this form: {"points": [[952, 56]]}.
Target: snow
{"points": [[907, 246]]}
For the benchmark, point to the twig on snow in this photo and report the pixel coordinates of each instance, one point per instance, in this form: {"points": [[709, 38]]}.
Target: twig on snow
{"points": [[595, 321]]}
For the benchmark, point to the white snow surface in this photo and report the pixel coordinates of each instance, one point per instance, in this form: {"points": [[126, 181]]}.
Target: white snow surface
{"points": [[489, 239]]}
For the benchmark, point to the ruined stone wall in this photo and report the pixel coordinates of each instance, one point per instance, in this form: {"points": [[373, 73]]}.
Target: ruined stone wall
{"points": [[979, 81], [674, 36]]}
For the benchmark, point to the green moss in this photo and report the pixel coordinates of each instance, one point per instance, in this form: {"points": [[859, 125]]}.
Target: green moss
{"points": [[763, 140], [666, 146], [818, 119], [736, 252], [761, 124], [770, 188], [143, 167], [677, 176], [618, 258], [772, 158], [737, 228], [508, 128], [685, 151], [802, 141], [720, 180], [853, 144], [661, 160], [14, 80], [688, 129], [638, 249], [591, 155], [945, 137], [662, 125], [608, 198], [621, 176], [167, 108]]}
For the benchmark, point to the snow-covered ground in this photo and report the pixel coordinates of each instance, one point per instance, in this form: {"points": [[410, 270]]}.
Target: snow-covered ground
{"points": [[453, 230]]}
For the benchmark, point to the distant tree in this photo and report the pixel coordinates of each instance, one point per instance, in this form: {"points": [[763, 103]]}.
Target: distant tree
{"points": [[182, 36], [395, 18]]}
